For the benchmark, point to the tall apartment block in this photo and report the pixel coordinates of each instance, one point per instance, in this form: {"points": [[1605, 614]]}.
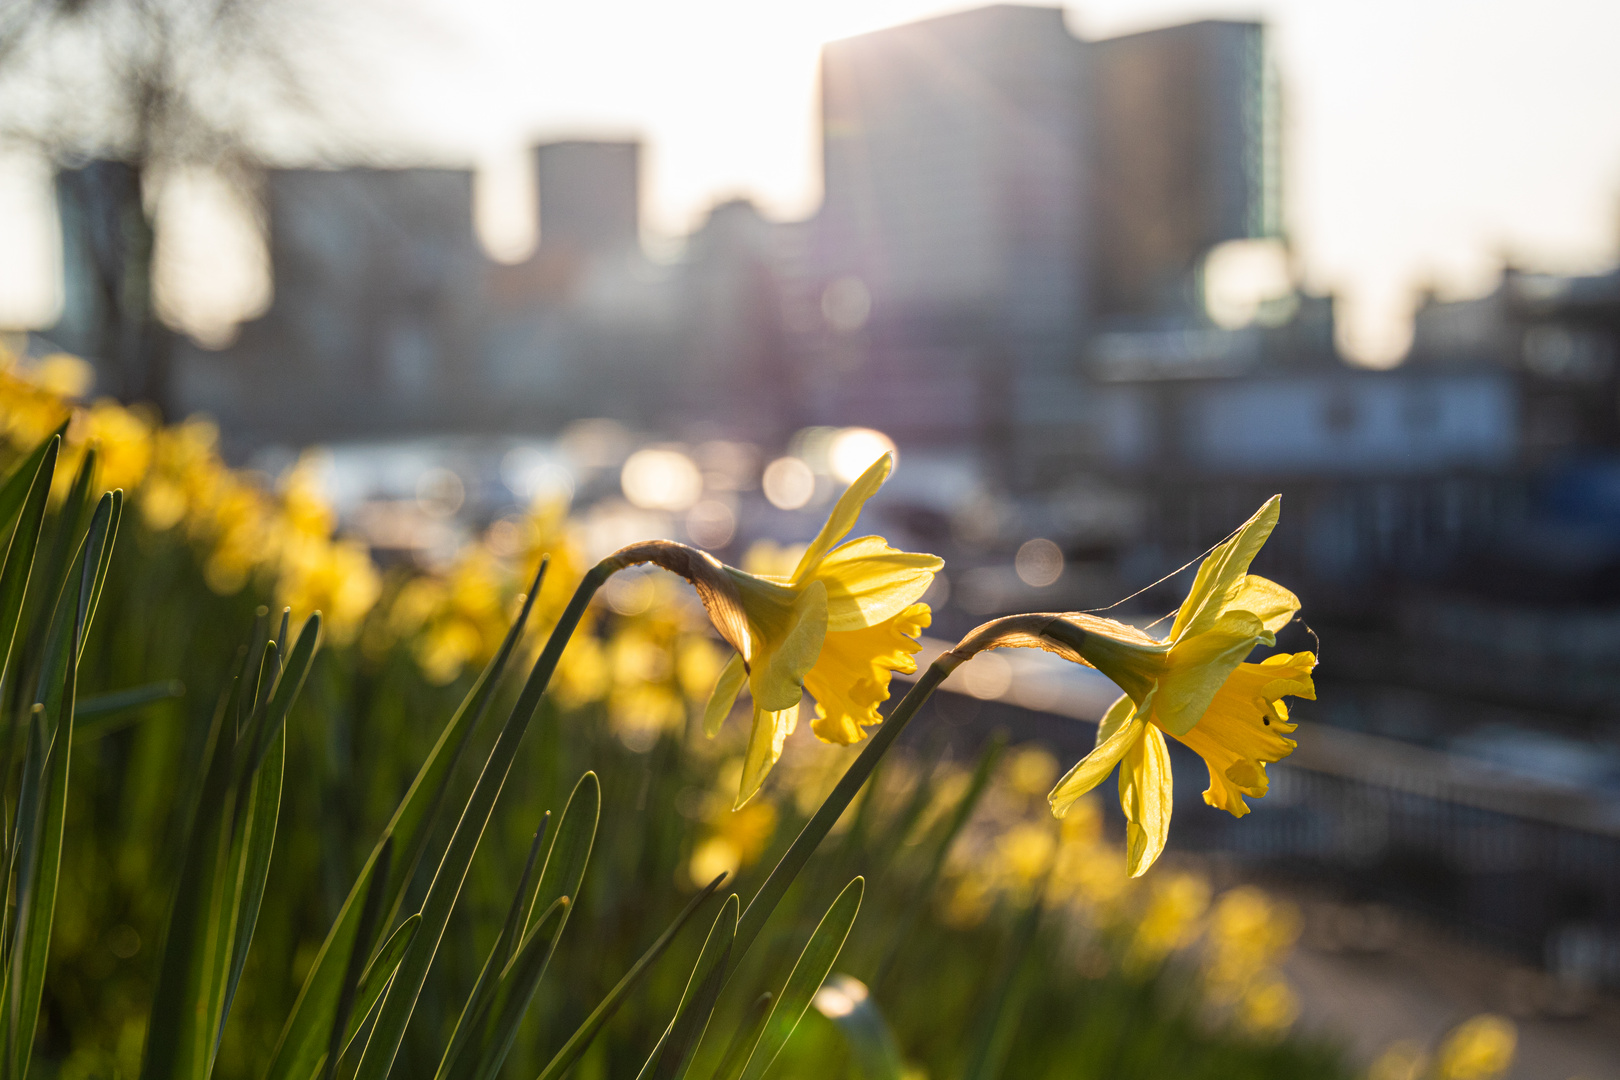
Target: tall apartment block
{"points": [[1186, 157]]}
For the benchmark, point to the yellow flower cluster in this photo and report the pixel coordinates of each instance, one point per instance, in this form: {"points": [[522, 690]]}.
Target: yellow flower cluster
{"points": [[280, 536], [1480, 1048], [177, 480], [1013, 852]]}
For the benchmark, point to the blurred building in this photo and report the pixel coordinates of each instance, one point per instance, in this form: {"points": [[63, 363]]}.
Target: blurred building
{"points": [[590, 197], [955, 156], [375, 318], [583, 326], [1185, 156]]}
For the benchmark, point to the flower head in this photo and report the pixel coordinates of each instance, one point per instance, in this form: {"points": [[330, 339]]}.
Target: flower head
{"points": [[838, 626], [1195, 685]]}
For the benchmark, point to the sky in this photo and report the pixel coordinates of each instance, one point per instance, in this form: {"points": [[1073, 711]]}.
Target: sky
{"points": [[1425, 141]]}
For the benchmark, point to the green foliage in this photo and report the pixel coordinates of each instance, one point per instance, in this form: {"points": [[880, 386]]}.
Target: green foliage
{"points": [[317, 863]]}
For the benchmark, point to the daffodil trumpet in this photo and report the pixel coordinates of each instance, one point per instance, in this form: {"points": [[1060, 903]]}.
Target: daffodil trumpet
{"points": [[1195, 685], [838, 627]]}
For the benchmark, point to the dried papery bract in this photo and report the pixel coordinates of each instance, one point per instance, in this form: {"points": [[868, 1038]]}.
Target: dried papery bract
{"points": [[715, 587]]}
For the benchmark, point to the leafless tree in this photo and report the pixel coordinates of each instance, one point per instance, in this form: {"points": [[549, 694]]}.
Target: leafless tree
{"points": [[118, 94]]}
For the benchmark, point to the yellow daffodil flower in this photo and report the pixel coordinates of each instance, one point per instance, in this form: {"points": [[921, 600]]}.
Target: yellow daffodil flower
{"points": [[838, 626], [1194, 685]]}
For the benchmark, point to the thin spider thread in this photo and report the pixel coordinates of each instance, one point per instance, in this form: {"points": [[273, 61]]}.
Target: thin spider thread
{"points": [[1195, 559]]}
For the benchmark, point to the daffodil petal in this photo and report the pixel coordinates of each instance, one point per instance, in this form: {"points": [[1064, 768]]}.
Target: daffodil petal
{"points": [[780, 665], [770, 732], [1246, 728], [1222, 569], [851, 676], [1119, 712], [1198, 666], [1094, 768], [726, 688], [869, 582], [1145, 796], [842, 518], [1268, 601]]}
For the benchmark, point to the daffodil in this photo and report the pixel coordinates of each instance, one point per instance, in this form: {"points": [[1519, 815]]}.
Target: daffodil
{"points": [[838, 627], [1196, 685]]}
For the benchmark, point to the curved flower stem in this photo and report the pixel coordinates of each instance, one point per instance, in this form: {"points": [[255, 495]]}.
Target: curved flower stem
{"points": [[815, 830]]}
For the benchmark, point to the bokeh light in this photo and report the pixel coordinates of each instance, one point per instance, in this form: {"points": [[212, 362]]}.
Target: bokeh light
{"points": [[789, 483], [853, 449], [440, 493], [1039, 562], [655, 479], [711, 524], [846, 304]]}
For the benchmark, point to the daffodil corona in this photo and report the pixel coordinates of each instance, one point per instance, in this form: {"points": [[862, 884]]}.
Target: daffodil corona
{"points": [[1196, 685], [839, 626]]}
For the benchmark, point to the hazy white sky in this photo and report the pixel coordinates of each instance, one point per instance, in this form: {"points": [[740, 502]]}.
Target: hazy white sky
{"points": [[1425, 139]]}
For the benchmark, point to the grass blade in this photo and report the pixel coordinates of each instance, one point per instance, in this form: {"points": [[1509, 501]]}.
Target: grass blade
{"points": [[259, 829], [675, 1051], [413, 823], [400, 1001], [743, 1042], [369, 914], [511, 936], [518, 984], [580, 1040], [22, 547], [375, 978], [269, 719], [571, 852], [114, 703], [25, 858], [37, 904], [815, 962], [14, 490]]}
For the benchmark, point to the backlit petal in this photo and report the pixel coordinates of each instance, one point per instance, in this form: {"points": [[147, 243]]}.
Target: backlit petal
{"points": [[851, 676], [842, 519], [1119, 712], [1222, 570], [726, 687], [1145, 796], [1094, 768], [782, 661], [770, 732], [1268, 601], [1199, 665], [1246, 728], [869, 582]]}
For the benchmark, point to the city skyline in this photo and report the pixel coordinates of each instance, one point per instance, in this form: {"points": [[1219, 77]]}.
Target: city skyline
{"points": [[1419, 146], [1423, 141]]}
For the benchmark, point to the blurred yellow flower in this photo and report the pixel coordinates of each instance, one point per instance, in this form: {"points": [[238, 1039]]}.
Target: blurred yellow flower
{"points": [[1269, 1006], [1171, 922], [1401, 1060], [1248, 932], [1478, 1049], [583, 673], [63, 375], [1026, 851]]}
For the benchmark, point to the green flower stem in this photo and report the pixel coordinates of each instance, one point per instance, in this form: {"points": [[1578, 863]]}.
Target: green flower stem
{"points": [[816, 829]]}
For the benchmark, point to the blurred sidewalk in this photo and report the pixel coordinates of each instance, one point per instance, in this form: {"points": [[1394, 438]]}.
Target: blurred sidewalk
{"points": [[1405, 979]]}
